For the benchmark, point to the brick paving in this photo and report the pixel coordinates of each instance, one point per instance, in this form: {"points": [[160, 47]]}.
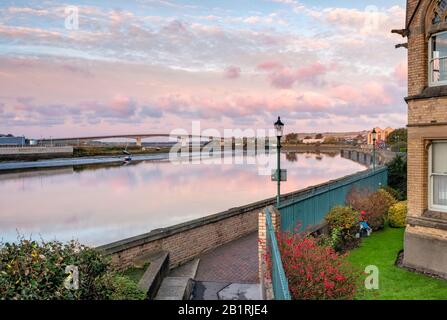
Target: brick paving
{"points": [[234, 262]]}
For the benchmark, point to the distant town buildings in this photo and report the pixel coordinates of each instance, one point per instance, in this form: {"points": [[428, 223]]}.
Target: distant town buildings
{"points": [[10, 140], [313, 140], [381, 135]]}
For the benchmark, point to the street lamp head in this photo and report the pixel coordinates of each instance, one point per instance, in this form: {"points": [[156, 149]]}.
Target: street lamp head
{"points": [[374, 134], [279, 127]]}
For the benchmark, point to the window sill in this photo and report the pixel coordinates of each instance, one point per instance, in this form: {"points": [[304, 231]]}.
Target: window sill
{"points": [[435, 214], [430, 92], [430, 222]]}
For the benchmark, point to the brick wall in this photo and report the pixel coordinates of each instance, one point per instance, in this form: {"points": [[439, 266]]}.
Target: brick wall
{"points": [[426, 114], [262, 243], [425, 236], [185, 241], [427, 111]]}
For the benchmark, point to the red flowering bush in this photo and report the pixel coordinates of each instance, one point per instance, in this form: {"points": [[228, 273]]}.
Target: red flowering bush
{"points": [[316, 272]]}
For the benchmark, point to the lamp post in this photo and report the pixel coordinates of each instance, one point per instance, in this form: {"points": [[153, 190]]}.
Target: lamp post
{"points": [[279, 127], [374, 135]]}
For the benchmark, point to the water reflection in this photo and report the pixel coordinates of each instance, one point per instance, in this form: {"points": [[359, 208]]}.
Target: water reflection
{"points": [[100, 204]]}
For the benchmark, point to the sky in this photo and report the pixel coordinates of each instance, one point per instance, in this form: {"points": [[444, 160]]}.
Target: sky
{"points": [[74, 68]]}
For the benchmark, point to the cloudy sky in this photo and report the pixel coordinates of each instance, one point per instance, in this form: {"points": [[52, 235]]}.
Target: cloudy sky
{"points": [[155, 65]]}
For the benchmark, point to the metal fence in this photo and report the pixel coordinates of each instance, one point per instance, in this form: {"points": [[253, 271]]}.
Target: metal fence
{"points": [[279, 280], [310, 209]]}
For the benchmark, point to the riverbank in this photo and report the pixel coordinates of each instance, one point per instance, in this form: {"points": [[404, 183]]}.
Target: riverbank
{"points": [[94, 151], [317, 147], [36, 153], [80, 161]]}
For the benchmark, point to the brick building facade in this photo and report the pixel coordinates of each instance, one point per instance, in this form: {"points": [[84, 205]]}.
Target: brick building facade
{"points": [[426, 232]]}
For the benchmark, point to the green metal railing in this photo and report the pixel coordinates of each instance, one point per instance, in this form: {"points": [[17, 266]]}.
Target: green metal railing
{"points": [[310, 208], [279, 280]]}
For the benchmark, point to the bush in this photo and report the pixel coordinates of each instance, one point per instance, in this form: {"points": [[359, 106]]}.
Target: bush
{"points": [[316, 272], [343, 224], [125, 289], [394, 193], [387, 196], [397, 215], [376, 205], [397, 176], [32, 270], [342, 218], [333, 240]]}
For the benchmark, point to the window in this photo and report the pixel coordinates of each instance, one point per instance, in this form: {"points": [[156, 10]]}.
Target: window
{"points": [[438, 59], [439, 12], [438, 176]]}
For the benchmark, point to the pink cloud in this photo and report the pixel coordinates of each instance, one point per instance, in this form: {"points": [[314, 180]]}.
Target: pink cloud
{"points": [[371, 96], [270, 65], [283, 77], [232, 72]]}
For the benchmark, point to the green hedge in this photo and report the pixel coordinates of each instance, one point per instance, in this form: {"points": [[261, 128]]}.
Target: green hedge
{"points": [[33, 270]]}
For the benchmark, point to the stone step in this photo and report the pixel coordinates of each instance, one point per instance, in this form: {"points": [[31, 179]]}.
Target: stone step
{"points": [[188, 269], [175, 288], [179, 283]]}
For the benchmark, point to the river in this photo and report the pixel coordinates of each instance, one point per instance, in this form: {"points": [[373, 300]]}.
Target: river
{"points": [[104, 203]]}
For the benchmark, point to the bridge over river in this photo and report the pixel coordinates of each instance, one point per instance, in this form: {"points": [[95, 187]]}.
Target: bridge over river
{"points": [[183, 138]]}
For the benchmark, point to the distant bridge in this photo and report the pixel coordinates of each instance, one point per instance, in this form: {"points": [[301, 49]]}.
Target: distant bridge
{"points": [[139, 137]]}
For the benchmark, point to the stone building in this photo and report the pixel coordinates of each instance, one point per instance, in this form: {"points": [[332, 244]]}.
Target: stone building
{"points": [[426, 232]]}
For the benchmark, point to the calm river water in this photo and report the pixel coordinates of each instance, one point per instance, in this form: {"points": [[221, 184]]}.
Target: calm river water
{"points": [[101, 204]]}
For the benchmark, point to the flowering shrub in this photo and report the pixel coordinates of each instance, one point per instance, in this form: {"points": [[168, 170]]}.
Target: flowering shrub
{"points": [[375, 205], [314, 271], [343, 218], [32, 270], [397, 215]]}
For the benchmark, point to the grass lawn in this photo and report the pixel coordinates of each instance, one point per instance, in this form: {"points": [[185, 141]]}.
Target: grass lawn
{"points": [[381, 250], [135, 274]]}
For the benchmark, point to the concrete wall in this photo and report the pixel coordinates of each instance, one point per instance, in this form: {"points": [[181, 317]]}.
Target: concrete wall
{"points": [[35, 150], [20, 153]]}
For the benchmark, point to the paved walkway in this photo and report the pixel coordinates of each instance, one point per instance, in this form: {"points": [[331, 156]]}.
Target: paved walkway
{"points": [[236, 261], [229, 272]]}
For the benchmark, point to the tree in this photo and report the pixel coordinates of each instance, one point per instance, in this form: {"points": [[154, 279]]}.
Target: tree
{"points": [[318, 136], [291, 137], [397, 175], [331, 140], [398, 135]]}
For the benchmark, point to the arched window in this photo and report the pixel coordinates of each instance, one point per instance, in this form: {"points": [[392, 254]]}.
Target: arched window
{"points": [[438, 45], [440, 12], [438, 59]]}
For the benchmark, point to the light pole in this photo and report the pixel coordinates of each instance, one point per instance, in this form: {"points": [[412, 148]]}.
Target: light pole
{"points": [[279, 127], [398, 143], [374, 134]]}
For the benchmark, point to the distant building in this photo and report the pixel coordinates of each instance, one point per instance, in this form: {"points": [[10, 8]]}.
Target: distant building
{"points": [[12, 141], [381, 135], [312, 140]]}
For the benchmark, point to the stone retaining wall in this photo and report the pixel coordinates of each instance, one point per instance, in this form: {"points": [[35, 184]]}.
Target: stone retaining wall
{"points": [[34, 150], [19, 153], [187, 240]]}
